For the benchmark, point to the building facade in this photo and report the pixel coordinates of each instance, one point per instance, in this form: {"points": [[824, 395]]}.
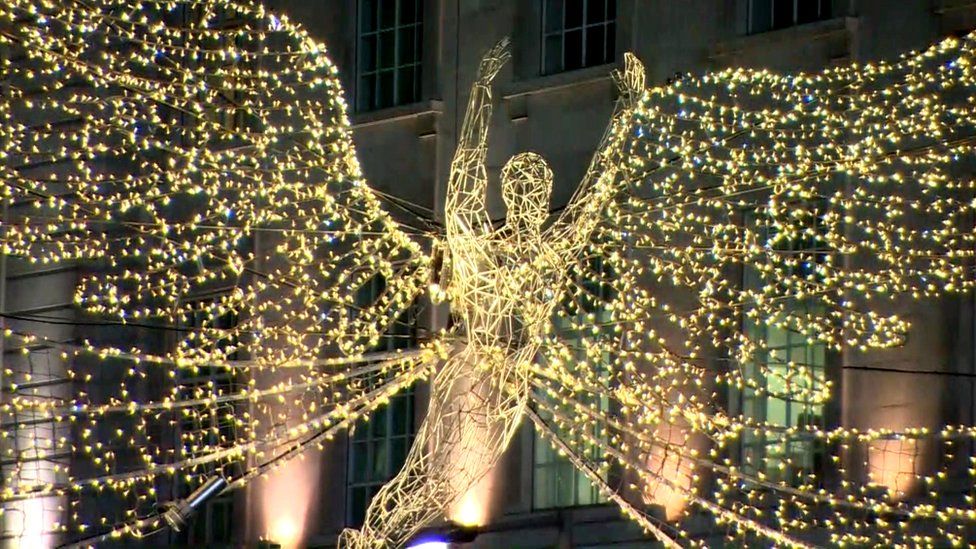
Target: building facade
{"points": [[406, 66]]}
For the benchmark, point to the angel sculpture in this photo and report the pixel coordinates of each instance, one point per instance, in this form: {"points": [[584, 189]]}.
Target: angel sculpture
{"points": [[189, 166]]}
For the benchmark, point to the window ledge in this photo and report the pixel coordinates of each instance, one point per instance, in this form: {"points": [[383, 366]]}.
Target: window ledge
{"points": [[800, 33], [945, 6], [559, 80], [392, 114]]}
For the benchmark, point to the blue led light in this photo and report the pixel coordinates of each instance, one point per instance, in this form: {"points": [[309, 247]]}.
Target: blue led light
{"points": [[429, 544]]}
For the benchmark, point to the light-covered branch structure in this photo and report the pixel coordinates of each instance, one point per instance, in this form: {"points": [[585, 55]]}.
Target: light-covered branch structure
{"points": [[191, 163]]}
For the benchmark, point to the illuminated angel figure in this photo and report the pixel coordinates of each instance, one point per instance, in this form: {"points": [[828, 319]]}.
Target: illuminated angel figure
{"points": [[501, 287], [188, 169]]}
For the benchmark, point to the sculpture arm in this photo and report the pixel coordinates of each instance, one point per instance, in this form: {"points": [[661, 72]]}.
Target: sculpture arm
{"points": [[600, 183], [468, 182]]}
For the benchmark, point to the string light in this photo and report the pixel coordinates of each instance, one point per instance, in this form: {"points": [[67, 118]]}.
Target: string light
{"points": [[193, 161]]}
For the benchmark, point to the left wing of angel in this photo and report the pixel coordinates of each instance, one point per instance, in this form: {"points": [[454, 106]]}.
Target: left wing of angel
{"points": [[189, 165]]}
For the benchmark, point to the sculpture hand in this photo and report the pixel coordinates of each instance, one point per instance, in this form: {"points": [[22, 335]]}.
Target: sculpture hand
{"points": [[493, 61]]}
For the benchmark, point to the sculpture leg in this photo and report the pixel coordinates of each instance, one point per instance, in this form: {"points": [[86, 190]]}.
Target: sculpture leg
{"points": [[467, 428]]}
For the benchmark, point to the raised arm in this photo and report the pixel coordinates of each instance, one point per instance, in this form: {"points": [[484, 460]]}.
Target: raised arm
{"points": [[601, 181], [465, 209]]}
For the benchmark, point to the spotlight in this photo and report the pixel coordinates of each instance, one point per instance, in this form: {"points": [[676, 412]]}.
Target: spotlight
{"points": [[443, 537], [178, 512]]}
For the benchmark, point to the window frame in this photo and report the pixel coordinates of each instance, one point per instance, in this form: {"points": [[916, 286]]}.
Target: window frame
{"points": [[753, 451], [824, 10], [201, 529], [561, 465], [372, 102], [394, 339], [609, 46]]}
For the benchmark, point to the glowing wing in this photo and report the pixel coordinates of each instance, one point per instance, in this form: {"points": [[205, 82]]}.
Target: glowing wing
{"points": [[745, 224], [190, 163]]}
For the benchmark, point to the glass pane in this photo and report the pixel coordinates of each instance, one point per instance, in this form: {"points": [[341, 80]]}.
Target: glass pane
{"points": [[574, 14], [541, 493], [573, 55], [404, 95], [387, 48], [199, 528], [584, 490], [595, 11], [783, 13], [367, 54], [367, 92], [219, 530], [554, 54], [359, 459], [380, 455], [807, 11], [611, 9], [387, 13], [408, 11], [611, 52], [594, 46], [384, 96], [357, 506], [401, 415], [564, 485], [406, 54], [761, 15], [554, 15], [378, 423], [367, 15], [398, 453]]}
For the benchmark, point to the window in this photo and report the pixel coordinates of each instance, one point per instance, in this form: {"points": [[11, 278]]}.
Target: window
{"points": [[389, 53], [577, 34], [767, 15], [556, 482], [209, 426], [786, 370], [378, 448], [377, 451]]}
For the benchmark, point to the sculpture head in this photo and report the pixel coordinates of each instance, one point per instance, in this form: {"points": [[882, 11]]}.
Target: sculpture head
{"points": [[526, 188]]}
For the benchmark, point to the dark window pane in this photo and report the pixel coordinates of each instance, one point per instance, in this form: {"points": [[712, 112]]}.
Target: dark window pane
{"points": [[380, 454], [387, 45], [554, 54], [594, 45], [367, 15], [554, 15], [387, 13], [416, 96], [357, 506], [404, 95], [595, 11], [218, 530], [367, 96], [408, 11], [611, 9], [573, 55], [611, 51], [384, 96], [398, 452], [574, 13], [377, 424], [359, 458], [406, 55], [367, 54], [401, 420], [782, 14], [807, 11], [761, 14]]}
